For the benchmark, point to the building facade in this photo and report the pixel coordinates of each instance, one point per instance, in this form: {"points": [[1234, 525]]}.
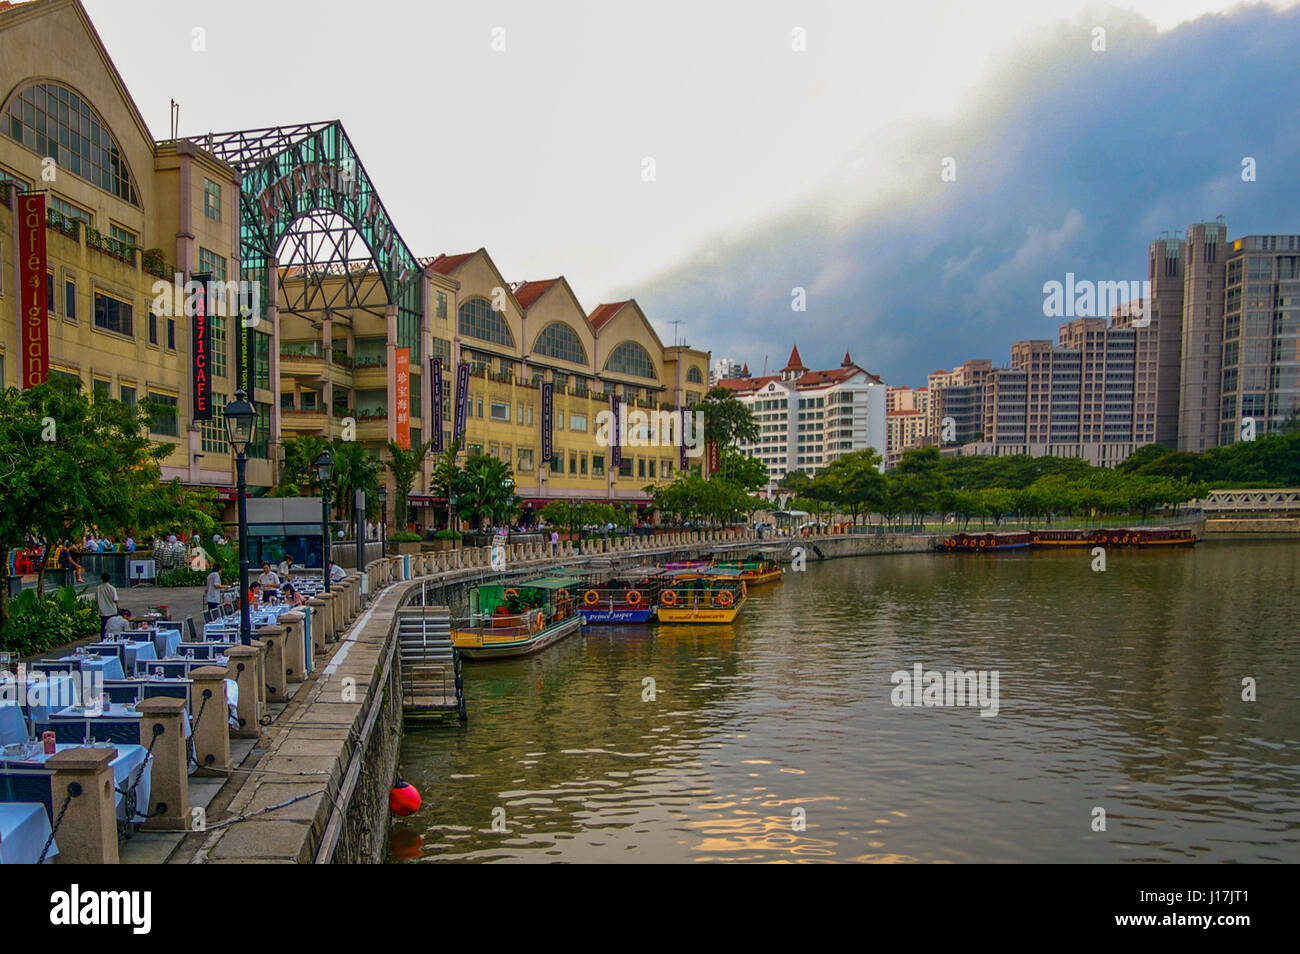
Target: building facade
{"points": [[808, 418]]}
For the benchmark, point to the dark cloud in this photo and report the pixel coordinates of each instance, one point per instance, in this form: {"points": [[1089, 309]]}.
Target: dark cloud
{"points": [[1071, 161]]}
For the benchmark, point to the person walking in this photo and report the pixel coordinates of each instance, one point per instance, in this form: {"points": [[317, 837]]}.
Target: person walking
{"points": [[212, 594], [555, 542], [106, 598]]}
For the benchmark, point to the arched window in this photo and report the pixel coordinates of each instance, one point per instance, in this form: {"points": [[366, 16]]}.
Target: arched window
{"points": [[694, 377], [477, 319], [54, 121], [558, 340], [631, 358]]}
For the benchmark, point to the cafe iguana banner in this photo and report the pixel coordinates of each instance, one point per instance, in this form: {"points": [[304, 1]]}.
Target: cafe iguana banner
{"points": [[35, 341]]}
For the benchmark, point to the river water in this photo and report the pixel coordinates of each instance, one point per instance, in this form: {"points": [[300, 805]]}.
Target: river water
{"points": [[1119, 702]]}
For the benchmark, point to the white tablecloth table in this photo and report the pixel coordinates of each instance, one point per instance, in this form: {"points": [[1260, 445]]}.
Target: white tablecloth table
{"points": [[24, 827], [126, 764]]}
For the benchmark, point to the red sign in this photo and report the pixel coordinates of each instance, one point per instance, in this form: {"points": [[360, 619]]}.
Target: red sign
{"points": [[31, 254], [201, 334], [404, 398], [713, 457]]}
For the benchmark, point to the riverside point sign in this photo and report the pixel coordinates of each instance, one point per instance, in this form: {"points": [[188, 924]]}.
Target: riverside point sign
{"points": [[338, 179]]}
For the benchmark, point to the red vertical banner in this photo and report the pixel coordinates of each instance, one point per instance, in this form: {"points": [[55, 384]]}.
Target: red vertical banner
{"points": [[713, 457], [404, 398], [31, 253]]}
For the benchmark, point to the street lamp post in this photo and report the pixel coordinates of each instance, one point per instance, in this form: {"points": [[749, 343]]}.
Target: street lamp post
{"points": [[241, 420], [508, 485], [325, 472], [383, 520]]}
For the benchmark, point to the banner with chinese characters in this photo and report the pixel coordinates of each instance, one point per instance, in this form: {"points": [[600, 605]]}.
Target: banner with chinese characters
{"points": [[462, 399], [713, 457], [201, 350], [435, 376], [403, 398], [615, 448], [548, 398], [35, 341]]}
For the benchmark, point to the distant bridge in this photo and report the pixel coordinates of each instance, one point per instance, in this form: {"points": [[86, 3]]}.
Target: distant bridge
{"points": [[1228, 503]]}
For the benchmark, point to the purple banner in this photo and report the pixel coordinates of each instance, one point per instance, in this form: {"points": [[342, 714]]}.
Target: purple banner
{"points": [[435, 375], [615, 448], [462, 398], [548, 398]]}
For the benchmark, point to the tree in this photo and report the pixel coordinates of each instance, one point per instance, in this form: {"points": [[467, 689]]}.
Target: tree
{"points": [[444, 474], [298, 468], [855, 481], [405, 466], [747, 472], [355, 468], [727, 422], [485, 491], [69, 463]]}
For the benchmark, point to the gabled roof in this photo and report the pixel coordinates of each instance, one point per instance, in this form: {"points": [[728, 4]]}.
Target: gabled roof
{"points": [[445, 264], [527, 293], [603, 313]]}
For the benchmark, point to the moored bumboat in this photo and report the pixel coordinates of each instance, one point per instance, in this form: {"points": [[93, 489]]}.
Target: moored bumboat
{"points": [[517, 619], [702, 596]]}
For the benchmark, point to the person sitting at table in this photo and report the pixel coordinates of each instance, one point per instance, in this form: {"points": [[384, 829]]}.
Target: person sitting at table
{"points": [[67, 563], [254, 594], [337, 573], [118, 624], [293, 597]]}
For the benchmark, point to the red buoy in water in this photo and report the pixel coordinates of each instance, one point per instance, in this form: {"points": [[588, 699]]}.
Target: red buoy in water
{"points": [[404, 799]]}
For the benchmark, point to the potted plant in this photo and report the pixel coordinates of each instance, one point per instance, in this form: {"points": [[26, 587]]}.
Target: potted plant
{"points": [[405, 541], [445, 539]]}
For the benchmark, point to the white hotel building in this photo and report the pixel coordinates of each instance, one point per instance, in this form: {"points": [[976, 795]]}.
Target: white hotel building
{"points": [[809, 418]]}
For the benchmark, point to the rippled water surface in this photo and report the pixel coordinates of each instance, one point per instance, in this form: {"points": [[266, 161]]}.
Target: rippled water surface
{"points": [[775, 739]]}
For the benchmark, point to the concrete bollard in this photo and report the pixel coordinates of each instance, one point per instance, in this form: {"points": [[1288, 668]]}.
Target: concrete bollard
{"points": [[169, 794], [87, 834], [328, 620], [244, 670], [295, 668], [210, 732], [318, 607], [273, 638], [261, 672]]}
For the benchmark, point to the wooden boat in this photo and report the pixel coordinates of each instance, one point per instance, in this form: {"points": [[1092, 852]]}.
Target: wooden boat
{"points": [[711, 596], [756, 568], [1145, 537], [984, 542], [517, 619], [686, 565], [628, 596]]}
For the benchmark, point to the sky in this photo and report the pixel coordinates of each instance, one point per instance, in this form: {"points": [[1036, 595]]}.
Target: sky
{"points": [[720, 162]]}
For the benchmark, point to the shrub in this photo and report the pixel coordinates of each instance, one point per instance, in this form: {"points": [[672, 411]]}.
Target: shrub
{"points": [[404, 536], [447, 535], [187, 577], [41, 623]]}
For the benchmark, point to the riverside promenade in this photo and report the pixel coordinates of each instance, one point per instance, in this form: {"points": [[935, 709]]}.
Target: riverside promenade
{"points": [[316, 753]]}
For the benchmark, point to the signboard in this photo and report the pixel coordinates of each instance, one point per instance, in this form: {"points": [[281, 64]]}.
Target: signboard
{"points": [[681, 451], [713, 457], [462, 398], [548, 399], [435, 375], [201, 350], [403, 398], [615, 448], [249, 302], [35, 340]]}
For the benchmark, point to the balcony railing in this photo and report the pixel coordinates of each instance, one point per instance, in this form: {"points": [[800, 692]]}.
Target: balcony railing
{"points": [[113, 248], [63, 223]]}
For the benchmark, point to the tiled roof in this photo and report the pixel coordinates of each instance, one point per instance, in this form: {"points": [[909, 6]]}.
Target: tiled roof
{"points": [[795, 363], [445, 264], [603, 313], [526, 293]]}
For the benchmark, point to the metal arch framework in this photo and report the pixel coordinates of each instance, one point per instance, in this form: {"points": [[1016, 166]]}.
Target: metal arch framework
{"points": [[307, 204]]}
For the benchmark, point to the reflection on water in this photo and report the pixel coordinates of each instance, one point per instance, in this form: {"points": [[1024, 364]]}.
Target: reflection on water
{"points": [[774, 739]]}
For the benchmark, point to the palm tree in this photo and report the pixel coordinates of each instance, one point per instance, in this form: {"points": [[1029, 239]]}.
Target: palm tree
{"points": [[405, 466], [485, 491], [355, 469], [443, 479]]}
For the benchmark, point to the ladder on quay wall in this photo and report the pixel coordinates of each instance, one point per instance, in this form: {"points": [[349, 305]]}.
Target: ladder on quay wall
{"points": [[433, 686]]}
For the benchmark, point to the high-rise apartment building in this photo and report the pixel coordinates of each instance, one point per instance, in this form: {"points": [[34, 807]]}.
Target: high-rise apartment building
{"points": [[1260, 386], [1200, 368]]}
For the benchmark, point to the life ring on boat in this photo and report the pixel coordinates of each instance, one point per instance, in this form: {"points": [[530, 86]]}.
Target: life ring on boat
{"points": [[949, 543], [724, 598], [511, 592], [633, 597], [669, 597], [591, 597], [1035, 538], [983, 542], [562, 596], [540, 619]]}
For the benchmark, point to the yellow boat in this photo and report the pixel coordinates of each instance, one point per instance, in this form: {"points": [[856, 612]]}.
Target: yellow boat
{"points": [[711, 596], [755, 569]]}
